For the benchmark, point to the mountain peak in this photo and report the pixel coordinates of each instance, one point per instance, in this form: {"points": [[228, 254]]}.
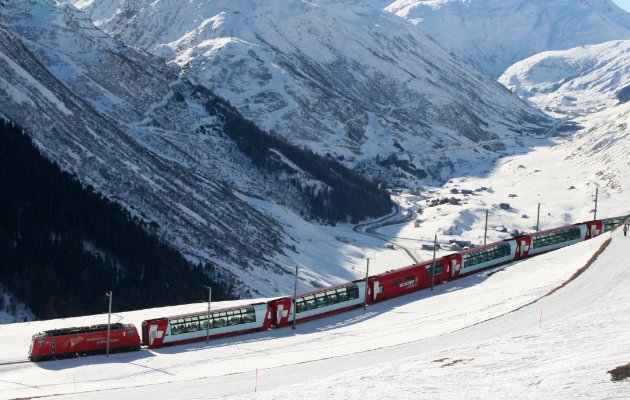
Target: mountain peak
{"points": [[494, 34]]}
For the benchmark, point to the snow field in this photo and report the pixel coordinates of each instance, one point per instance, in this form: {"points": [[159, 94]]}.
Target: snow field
{"points": [[428, 325]]}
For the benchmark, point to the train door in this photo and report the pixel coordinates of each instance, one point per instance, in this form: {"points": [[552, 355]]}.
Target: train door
{"points": [[52, 346], [453, 265], [523, 245], [593, 228]]}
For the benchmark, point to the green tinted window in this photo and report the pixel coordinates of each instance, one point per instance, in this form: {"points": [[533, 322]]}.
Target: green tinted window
{"points": [[551, 238], [330, 297], [484, 255]]}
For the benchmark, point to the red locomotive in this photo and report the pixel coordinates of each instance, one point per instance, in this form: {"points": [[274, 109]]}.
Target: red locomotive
{"points": [[87, 340]]}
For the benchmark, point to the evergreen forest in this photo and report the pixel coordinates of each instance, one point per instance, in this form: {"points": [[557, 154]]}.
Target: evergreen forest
{"points": [[63, 245], [349, 193]]}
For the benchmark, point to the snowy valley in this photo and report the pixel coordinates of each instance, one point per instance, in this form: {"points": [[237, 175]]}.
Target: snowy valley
{"points": [[146, 103]]}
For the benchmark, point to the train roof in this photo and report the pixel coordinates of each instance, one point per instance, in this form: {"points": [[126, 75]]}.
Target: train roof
{"points": [[327, 288], [82, 330], [409, 267], [206, 312], [557, 229]]}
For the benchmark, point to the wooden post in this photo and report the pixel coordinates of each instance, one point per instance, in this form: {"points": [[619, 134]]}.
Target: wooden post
{"points": [[538, 218]]}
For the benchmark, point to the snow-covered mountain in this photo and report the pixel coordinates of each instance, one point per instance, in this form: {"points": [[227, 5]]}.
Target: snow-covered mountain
{"points": [[575, 82], [494, 34], [589, 87], [129, 125], [341, 77]]}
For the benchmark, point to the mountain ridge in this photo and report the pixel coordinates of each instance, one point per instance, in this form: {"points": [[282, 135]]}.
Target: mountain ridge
{"points": [[491, 35], [340, 77]]}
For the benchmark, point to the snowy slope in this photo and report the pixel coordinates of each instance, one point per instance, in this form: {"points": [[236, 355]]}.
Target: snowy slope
{"points": [[383, 351], [586, 86], [127, 124], [339, 76], [576, 82], [491, 35]]}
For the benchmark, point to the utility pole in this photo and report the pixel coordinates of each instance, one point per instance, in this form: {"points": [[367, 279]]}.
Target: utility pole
{"points": [[208, 321], [295, 296], [109, 320], [367, 284], [485, 232], [596, 193], [538, 218], [433, 269]]}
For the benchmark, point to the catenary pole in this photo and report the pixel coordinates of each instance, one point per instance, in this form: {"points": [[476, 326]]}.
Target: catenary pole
{"points": [[485, 232], [208, 320], [109, 320], [595, 215], [295, 296], [367, 284], [538, 218], [433, 269]]}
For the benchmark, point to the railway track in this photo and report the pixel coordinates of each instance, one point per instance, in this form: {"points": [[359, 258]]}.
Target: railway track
{"points": [[369, 231], [10, 362]]}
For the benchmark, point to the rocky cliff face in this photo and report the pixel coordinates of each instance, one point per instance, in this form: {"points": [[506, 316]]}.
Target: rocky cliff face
{"points": [[341, 77], [491, 35]]}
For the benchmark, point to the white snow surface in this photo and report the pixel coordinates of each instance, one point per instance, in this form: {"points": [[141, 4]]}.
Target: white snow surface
{"points": [[582, 80], [491, 35], [481, 335]]}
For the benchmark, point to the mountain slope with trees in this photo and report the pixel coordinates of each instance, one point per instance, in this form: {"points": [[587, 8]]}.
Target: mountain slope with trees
{"points": [[63, 246]]}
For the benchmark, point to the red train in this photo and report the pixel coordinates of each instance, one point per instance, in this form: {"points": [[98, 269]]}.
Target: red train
{"points": [[87, 340], [318, 303]]}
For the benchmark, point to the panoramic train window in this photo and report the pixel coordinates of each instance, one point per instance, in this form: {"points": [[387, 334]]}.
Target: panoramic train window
{"points": [[551, 238], [217, 320], [439, 269], [488, 254], [327, 298], [608, 225]]}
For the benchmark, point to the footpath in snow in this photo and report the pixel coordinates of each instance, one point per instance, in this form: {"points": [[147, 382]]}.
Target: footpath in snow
{"points": [[460, 339]]}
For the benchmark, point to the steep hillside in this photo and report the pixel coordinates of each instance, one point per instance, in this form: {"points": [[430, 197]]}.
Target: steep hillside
{"points": [[131, 127], [491, 35], [341, 77], [64, 246]]}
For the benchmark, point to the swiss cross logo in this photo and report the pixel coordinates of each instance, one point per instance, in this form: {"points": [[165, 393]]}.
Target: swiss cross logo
{"points": [[281, 312], [455, 265]]}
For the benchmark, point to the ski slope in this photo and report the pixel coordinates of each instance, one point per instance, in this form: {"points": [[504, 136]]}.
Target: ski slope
{"points": [[405, 347]]}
